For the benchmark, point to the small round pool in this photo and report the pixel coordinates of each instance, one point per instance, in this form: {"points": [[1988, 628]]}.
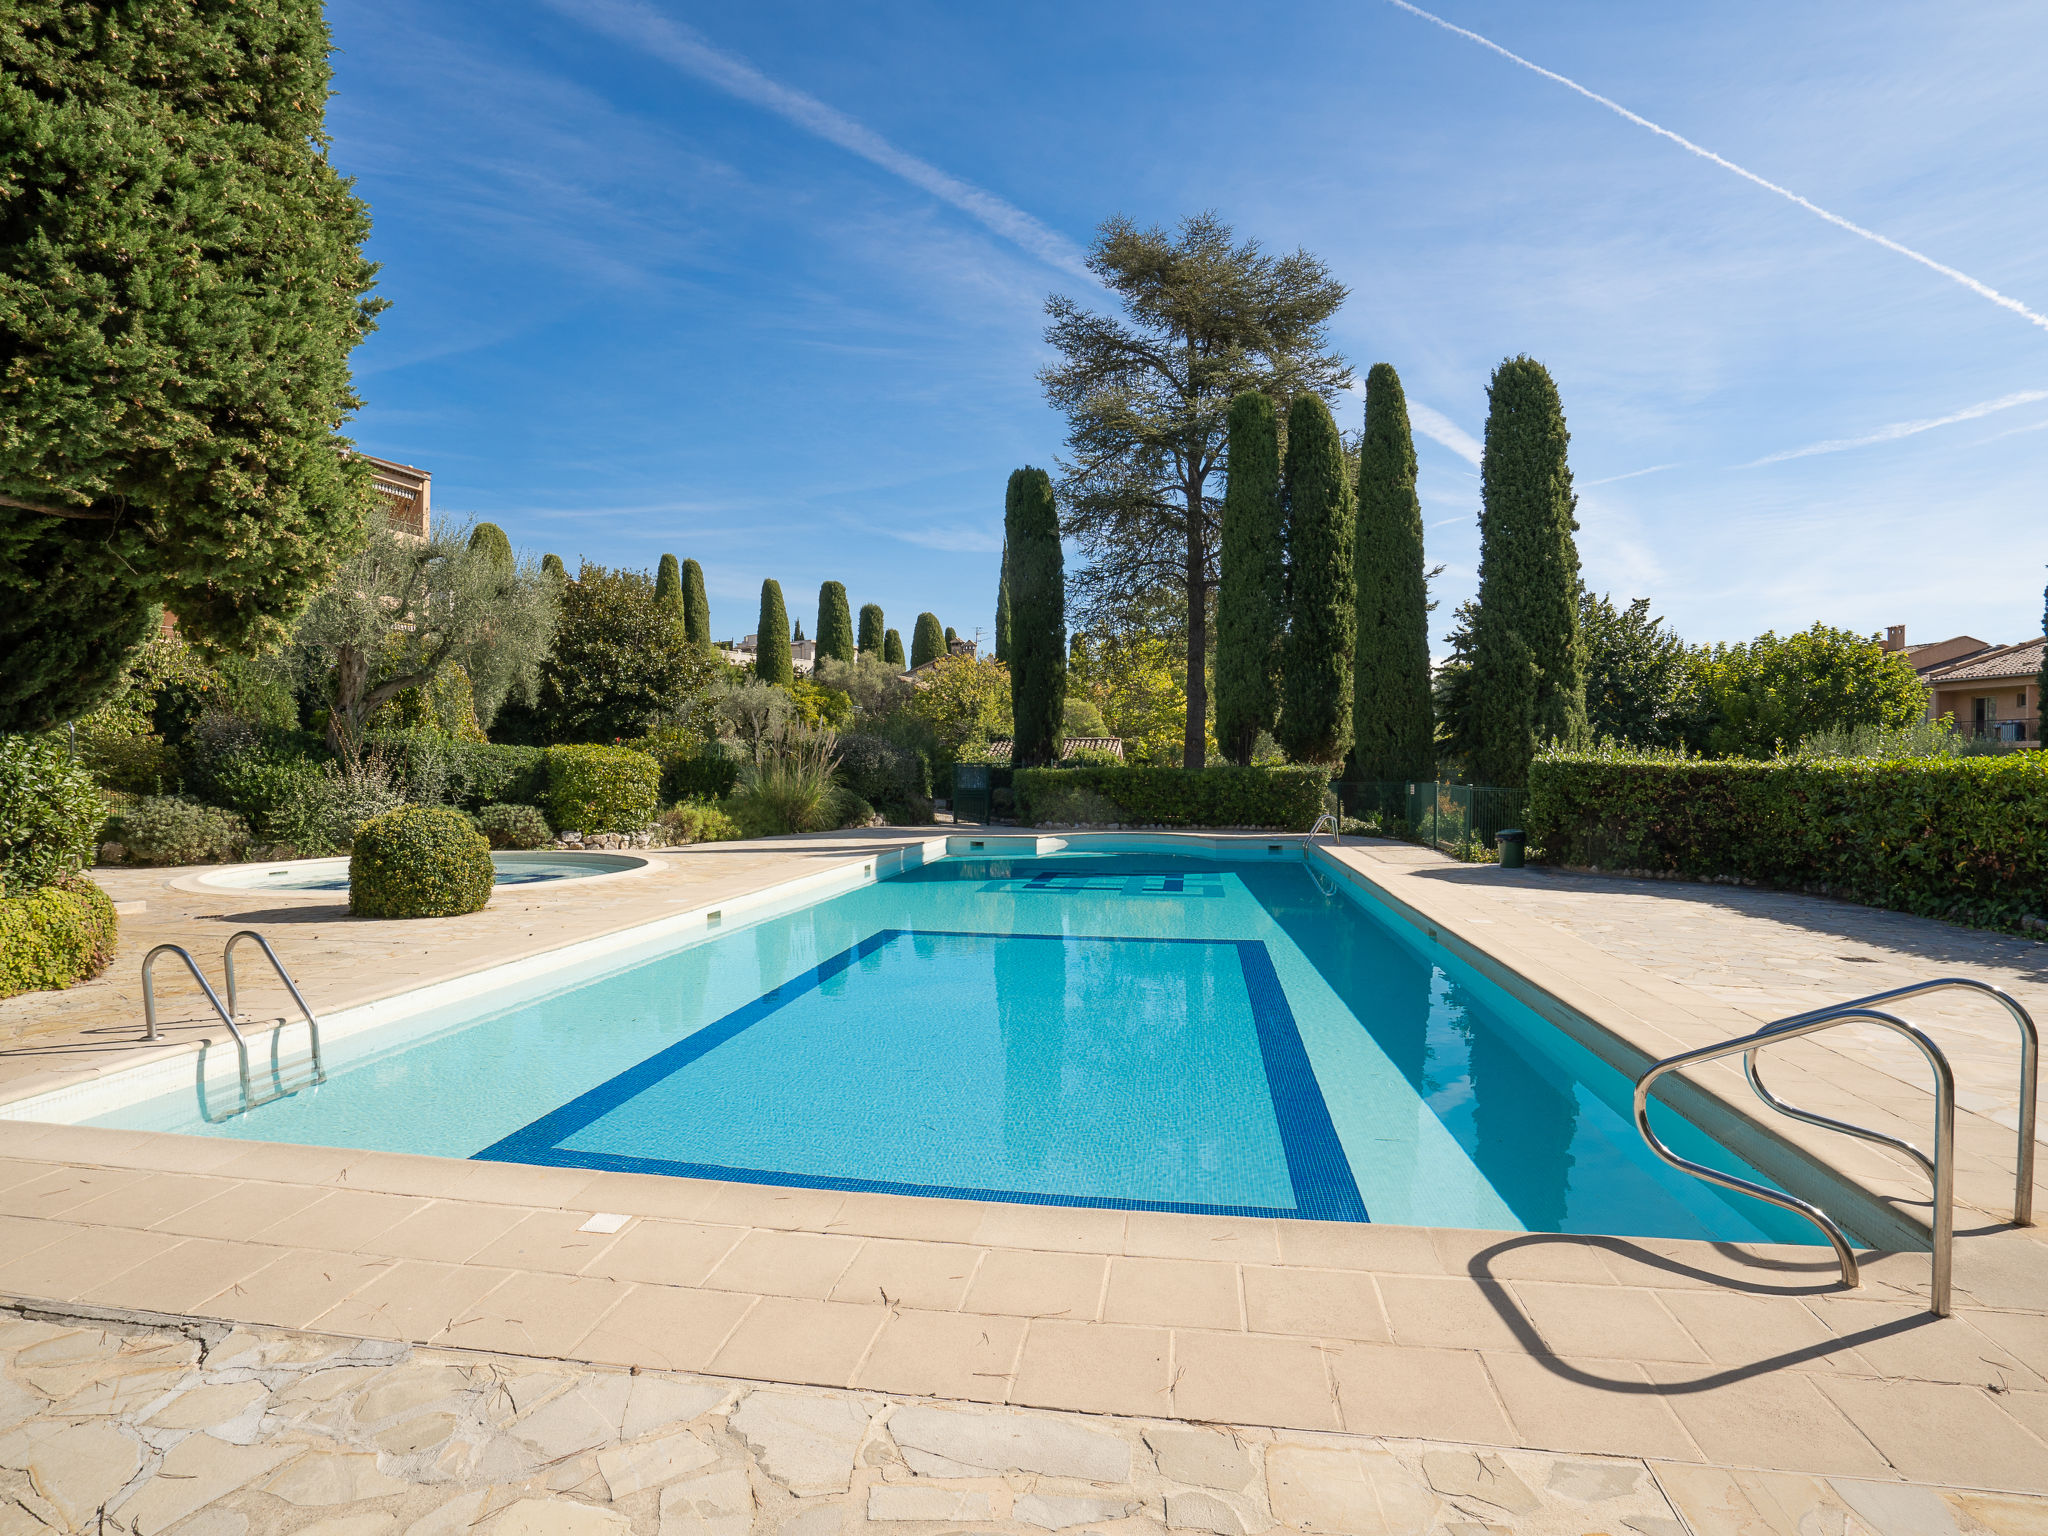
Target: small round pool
{"points": [[540, 867]]}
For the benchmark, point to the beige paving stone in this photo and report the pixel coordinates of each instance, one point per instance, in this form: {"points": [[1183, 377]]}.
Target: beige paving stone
{"points": [[1252, 1379], [940, 1441], [1605, 1321], [806, 1441], [1094, 1367], [411, 1300], [776, 1263], [79, 1468], [149, 1200], [1777, 1420], [195, 1472], [1059, 1512], [63, 1269], [547, 1240], [866, 1214], [931, 1276], [1234, 1239], [535, 1314], [666, 1252], [21, 1236], [1773, 1331], [374, 1523], [581, 1419], [1478, 1475], [1051, 1228], [1942, 1433], [526, 1184], [944, 1354], [628, 1469], [1896, 1339], [1022, 1283], [1453, 1312], [1359, 1246], [1433, 1394], [1208, 1458], [555, 1517], [1603, 1406], [208, 1406], [127, 1393], [657, 1196], [1718, 1500], [447, 1231], [293, 1289], [407, 1388], [240, 1212], [1322, 1303], [1519, 1256], [179, 1279], [786, 1338], [65, 1189], [1174, 1293], [764, 1205], [451, 1516], [342, 1222], [656, 1402], [716, 1504], [1348, 1492], [333, 1477], [665, 1327]]}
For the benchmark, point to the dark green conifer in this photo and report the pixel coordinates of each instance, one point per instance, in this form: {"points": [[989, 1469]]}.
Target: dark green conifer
{"points": [[835, 622], [490, 538], [1528, 676], [1315, 669], [1038, 627], [1393, 725], [696, 606], [927, 641], [952, 639], [772, 661], [871, 629], [1003, 603], [552, 566], [668, 586], [892, 649], [1251, 595]]}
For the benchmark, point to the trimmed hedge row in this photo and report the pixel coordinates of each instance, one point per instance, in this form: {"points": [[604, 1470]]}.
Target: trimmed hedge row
{"points": [[1286, 798], [1964, 836], [52, 937], [601, 789]]}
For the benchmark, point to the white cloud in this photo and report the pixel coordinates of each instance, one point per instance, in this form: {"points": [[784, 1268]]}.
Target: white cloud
{"points": [[1654, 469], [1901, 429], [1439, 428], [629, 21]]}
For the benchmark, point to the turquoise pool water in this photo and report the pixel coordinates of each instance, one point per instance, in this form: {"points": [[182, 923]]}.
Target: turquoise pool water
{"points": [[508, 868], [1136, 1030]]}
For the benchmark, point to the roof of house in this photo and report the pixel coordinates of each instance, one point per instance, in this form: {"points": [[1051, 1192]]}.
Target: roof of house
{"points": [[1931, 654], [2001, 661], [1004, 746]]}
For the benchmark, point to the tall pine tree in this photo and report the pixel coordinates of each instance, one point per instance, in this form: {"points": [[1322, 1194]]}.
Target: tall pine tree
{"points": [[892, 649], [927, 641], [696, 606], [1038, 636], [772, 661], [1251, 597], [1528, 683], [835, 623], [668, 586], [1393, 725], [871, 630], [1003, 599], [1315, 668]]}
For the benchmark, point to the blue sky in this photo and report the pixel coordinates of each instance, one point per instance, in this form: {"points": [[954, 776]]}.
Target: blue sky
{"points": [[763, 285]]}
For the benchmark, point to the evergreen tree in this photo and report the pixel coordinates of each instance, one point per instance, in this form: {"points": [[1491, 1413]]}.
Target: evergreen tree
{"points": [[2041, 683], [668, 586], [772, 661], [1528, 682], [1038, 639], [1251, 596], [835, 622], [927, 640], [892, 649], [952, 639], [798, 637], [181, 284], [1003, 602], [1393, 725], [490, 538], [552, 565], [1315, 668], [696, 606], [871, 629]]}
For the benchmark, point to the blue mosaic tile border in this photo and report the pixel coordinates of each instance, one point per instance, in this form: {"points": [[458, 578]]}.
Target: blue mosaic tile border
{"points": [[1317, 1168]]}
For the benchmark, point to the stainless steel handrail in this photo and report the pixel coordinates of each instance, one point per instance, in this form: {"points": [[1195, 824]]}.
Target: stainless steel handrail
{"points": [[1941, 1167], [227, 957], [226, 1017], [2030, 1072], [1336, 829]]}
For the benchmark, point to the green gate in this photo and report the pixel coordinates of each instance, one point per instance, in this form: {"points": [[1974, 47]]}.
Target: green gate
{"points": [[1461, 819]]}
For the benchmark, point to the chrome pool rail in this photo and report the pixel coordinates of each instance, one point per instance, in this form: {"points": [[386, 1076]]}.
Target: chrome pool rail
{"points": [[1336, 829], [227, 1013], [1940, 1167]]}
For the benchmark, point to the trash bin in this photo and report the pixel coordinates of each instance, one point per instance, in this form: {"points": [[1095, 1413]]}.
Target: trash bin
{"points": [[1510, 841], [970, 792]]}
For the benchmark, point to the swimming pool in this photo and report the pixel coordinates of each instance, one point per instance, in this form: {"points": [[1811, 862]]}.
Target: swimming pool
{"points": [[534, 868], [1139, 1029]]}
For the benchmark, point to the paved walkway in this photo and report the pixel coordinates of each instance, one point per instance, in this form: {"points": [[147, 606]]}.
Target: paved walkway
{"points": [[1685, 1355]]}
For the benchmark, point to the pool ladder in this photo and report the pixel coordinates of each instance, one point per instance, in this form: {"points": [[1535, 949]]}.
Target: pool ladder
{"points": [[227, 1013], [1327, 819], [1940, 1168]]}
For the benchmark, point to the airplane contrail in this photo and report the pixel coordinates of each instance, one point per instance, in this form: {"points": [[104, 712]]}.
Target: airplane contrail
{"points": [[1982, 290]]}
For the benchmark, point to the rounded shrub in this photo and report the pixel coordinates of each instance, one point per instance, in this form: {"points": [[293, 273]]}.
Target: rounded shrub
{"points": [[52, 937], [419, 861], [172, 829], [50, 813], [514, 826]]}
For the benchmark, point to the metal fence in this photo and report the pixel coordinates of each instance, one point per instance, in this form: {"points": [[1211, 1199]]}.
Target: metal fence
{"points": [[1461, 819]]}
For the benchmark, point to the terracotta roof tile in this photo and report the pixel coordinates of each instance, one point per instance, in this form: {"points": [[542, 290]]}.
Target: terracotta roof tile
{"points": [[2022, 660]]}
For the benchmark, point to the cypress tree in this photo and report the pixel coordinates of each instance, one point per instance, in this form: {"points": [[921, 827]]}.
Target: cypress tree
{"points": [[1393, 725], [892, 649], [1315, 671], [1003, 599], [871, 629], [1251, 596], [952, 639], [927, 641], [490, 538], [798, 637], [1038, 634], [1528, 676], [668, 586], [696, 607], [552, 565], [772, 661], [835, 622]]}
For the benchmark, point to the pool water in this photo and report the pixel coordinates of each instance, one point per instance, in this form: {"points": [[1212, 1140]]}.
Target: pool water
{"points": [[509, 869], [1136, 1030]]}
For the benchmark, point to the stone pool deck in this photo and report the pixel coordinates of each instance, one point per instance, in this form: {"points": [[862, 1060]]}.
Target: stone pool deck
{"points": [[1380, 1374]]}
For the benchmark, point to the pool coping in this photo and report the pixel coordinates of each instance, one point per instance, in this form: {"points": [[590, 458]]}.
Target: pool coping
{"points": [[207, 883]]}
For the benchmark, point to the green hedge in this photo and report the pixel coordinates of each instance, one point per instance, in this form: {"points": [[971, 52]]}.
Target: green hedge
{"points": [[601, 789], [52, 937], [421, 861], [50, 812], [1288, 798], [1961, 837], [470, 774]]}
